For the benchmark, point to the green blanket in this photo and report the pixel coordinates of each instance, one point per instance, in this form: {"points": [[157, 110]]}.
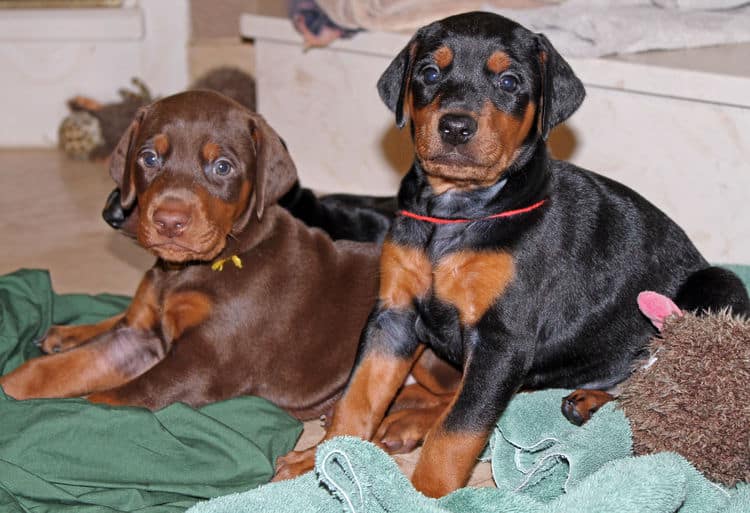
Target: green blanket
{"points": [[66, 455]]}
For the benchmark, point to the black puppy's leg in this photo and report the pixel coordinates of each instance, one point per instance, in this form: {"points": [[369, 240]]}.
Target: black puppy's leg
{"points": [[493, 373], [712, 289], [388, 351]]}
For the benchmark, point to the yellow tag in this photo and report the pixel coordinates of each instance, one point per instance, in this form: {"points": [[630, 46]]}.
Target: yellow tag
{"points": [[219, 264]]}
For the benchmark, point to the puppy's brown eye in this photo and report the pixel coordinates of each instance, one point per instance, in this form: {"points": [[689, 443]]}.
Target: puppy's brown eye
{"points": [[222, 167], [149, 158]]}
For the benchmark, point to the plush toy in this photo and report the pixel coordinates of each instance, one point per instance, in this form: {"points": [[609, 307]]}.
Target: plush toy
{"points": [[693, 395], [92, 129]]}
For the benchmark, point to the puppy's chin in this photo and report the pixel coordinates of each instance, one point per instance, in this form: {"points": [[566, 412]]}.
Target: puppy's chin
{"points": [[177, 255], [179, 251], [460, 175]]}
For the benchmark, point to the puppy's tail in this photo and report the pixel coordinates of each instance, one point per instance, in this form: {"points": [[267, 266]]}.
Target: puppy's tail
{"points": [[713, 289]]}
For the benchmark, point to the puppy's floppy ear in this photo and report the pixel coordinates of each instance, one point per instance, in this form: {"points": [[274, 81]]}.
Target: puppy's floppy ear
{"points": [[561, 92], [275, 173], [122, 161], [393, 84]]}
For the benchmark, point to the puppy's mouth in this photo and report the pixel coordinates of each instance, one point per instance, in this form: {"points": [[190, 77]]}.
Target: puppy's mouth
{"points": [[180, 250], [463, 170], [453, 158]]}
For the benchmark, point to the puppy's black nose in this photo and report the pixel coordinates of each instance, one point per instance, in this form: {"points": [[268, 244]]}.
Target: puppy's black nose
{"points": [[456, 129]]}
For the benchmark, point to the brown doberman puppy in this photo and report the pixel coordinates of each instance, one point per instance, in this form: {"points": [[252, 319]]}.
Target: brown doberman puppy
{"points": [[521, 270], [243, 299]]}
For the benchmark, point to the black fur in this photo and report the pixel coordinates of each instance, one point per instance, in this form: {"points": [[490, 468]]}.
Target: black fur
{"points": [[569, 317]]}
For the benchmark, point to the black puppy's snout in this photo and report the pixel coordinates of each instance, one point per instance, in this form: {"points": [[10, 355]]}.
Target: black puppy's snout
{"points": [[456, 129], [113, 213]]}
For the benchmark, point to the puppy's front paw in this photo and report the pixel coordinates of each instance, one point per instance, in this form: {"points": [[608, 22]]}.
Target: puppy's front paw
{"points": [[580, 405], [294, 464], [62, 338]]}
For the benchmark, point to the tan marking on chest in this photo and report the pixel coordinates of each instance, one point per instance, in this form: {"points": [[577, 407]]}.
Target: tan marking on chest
{"points": [[405, 274], [472, 281]]}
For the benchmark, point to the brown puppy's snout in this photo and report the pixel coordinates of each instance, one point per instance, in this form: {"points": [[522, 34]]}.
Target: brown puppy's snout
{"points": [[456, 129], [171, 218]]}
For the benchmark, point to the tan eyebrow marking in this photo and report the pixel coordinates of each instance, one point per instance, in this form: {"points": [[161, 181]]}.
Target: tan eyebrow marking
{"points": [[498, 62], [443, 56], [161, 144], [211, 151]]}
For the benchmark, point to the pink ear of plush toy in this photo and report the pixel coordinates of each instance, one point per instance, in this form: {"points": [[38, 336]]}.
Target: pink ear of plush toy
{"points": [[657, 307]]}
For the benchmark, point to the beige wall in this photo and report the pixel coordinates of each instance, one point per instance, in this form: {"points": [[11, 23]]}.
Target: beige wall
{"points": [[215, 36], [211, 19]]}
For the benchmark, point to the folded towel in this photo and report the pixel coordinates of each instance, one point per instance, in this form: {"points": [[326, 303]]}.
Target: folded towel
{"points": [[357, 477], [739, 501], [67, 455], [534, 449]]}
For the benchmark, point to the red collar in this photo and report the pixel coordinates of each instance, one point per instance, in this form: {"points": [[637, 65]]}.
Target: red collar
{"points": [[440, 220]]}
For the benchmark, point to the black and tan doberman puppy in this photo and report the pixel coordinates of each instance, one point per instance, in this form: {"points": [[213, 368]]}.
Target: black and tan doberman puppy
{"points": [[521, 270]]}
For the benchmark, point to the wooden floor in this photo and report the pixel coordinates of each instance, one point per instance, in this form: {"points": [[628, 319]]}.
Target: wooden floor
{"points": [[50, 218]]}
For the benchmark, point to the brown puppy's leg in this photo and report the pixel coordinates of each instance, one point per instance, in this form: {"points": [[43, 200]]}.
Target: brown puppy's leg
{"points": [[435, 374], [63, 338], [418, 406], [579, 406], [157, 388], [115, 357], [110, 359], [414, 411]]}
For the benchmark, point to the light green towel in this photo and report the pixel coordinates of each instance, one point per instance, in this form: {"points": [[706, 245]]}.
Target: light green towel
{"points": [[354, 476], [535, 450], [542, 464], [743, 271]]}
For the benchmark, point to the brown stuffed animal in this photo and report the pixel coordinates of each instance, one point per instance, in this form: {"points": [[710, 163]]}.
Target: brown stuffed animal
{"points": [[92, 129], [693, 396]]}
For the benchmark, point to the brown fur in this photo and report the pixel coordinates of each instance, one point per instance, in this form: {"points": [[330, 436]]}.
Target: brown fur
{"points": [[161, 144], [695, 399], [196, 335]]}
